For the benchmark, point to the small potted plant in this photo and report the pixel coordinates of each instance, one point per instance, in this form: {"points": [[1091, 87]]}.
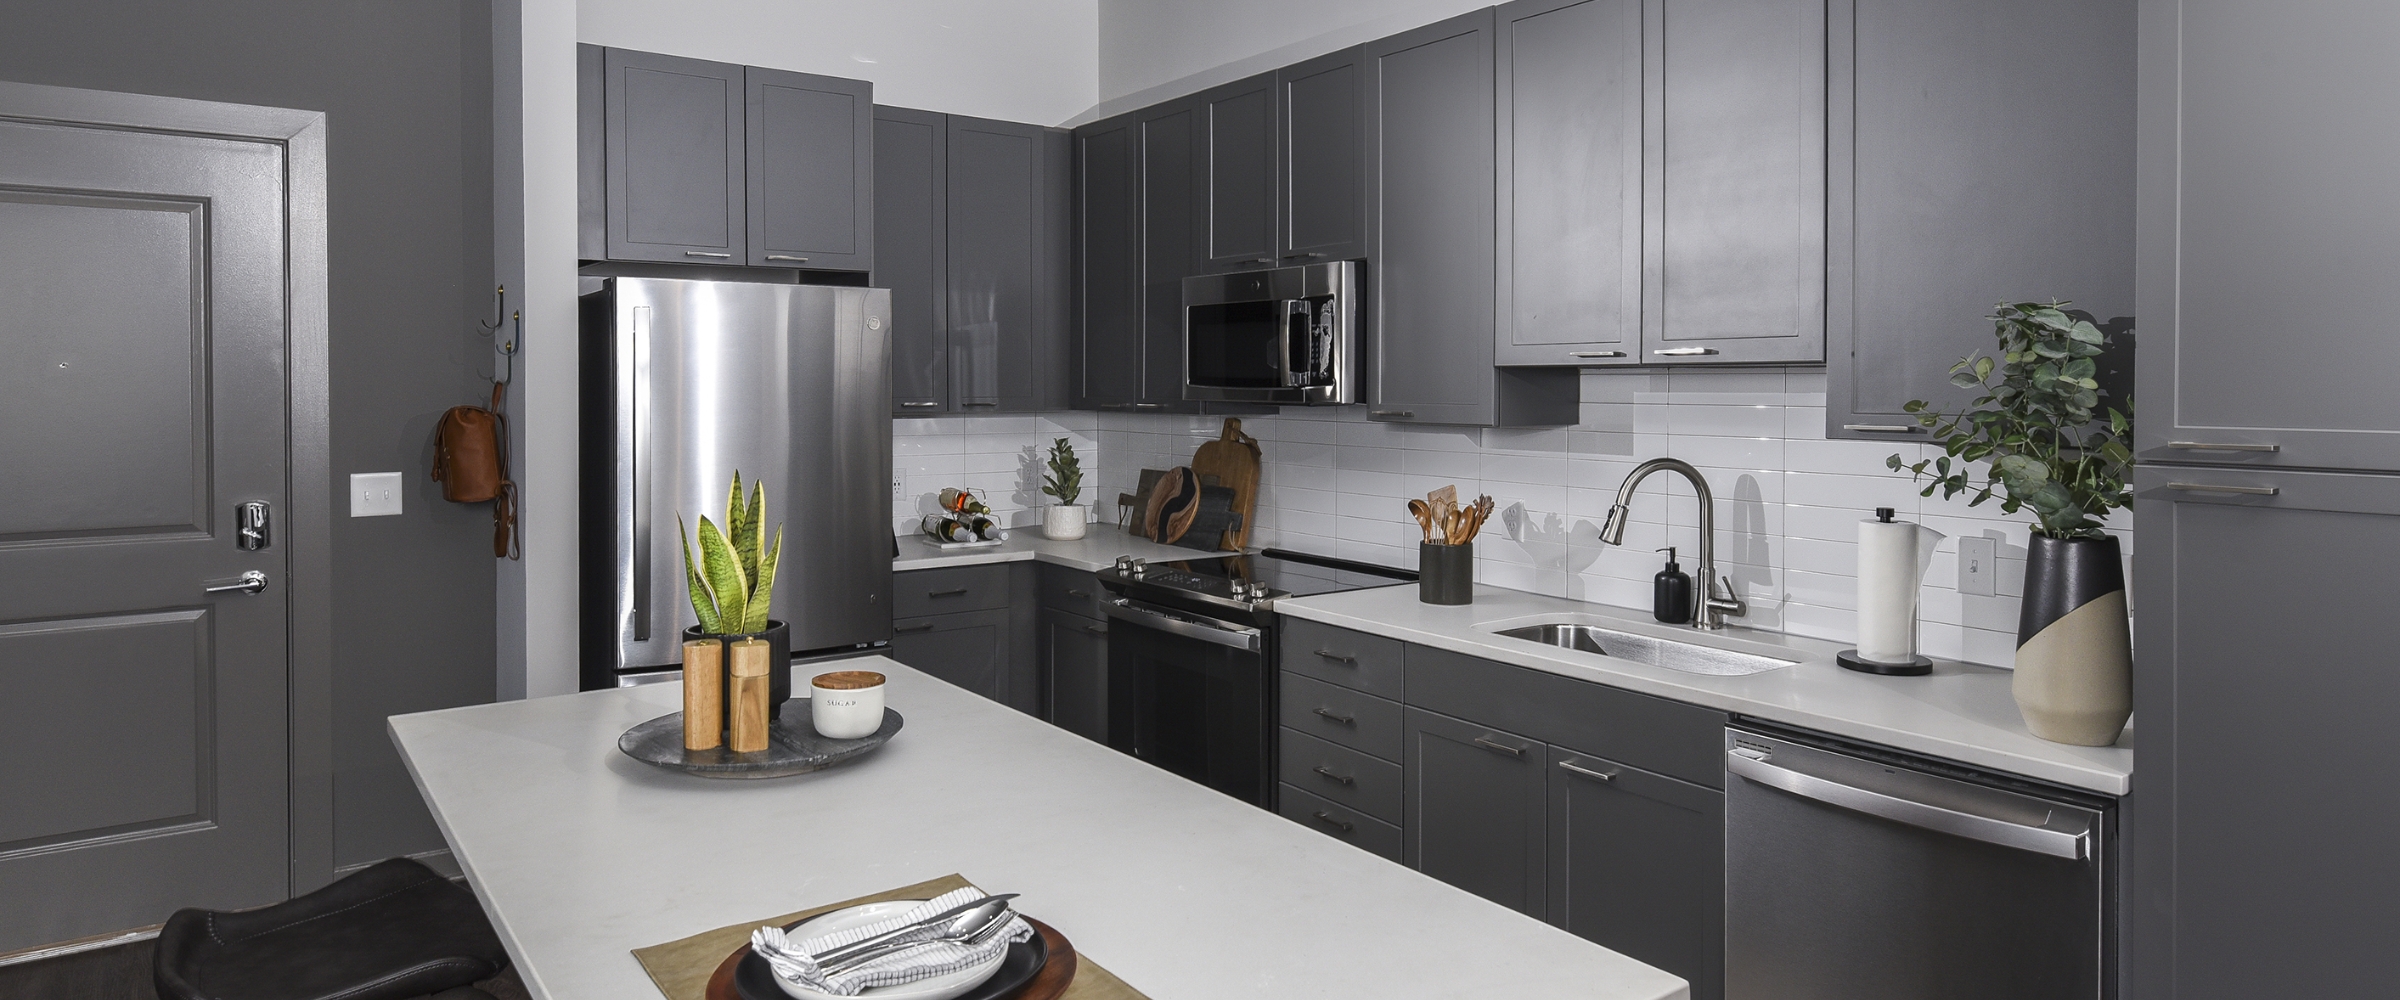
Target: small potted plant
{"points": [[732, 586], [1064, 519], [2052, 449]]}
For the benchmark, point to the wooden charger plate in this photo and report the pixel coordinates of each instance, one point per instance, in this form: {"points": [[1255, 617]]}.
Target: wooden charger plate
{"points": [[1048, 984]]}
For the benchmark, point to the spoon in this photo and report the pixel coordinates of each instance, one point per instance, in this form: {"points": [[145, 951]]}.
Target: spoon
{"points": [[957, 920], [1424, 517]]}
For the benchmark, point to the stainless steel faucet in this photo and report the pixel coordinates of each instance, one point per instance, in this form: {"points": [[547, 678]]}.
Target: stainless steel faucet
{"points": [[1711, 610]]}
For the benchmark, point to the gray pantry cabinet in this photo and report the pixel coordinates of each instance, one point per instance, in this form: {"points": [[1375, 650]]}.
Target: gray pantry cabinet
{"points": [[1321, 190], [811, 170], [1937, 213], [1237, 158], [1108, 286], [1430, 238], [1166, 156]]}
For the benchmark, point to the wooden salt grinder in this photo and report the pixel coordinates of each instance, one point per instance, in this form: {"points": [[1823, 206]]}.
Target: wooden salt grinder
{"points": [[703, 694], [750, 693]]}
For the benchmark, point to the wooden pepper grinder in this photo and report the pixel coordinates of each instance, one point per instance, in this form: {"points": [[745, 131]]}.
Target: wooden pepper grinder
{"points": [[748, 726], [703, 694]]}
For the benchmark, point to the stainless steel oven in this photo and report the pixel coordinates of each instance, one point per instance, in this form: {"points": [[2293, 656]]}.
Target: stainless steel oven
{"points": [[1286, 335], [1190, 693]]}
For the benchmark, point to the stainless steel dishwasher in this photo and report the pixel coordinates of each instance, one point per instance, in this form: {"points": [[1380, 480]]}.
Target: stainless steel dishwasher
{"points": [[1857, 873]]}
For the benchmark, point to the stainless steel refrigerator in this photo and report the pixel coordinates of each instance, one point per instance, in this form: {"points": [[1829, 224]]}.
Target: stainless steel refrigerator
{"points": [[685, 382]]}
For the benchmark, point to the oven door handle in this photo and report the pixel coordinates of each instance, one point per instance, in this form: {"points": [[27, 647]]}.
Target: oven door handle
{"points": [[1245, 639], [2074, 846]]}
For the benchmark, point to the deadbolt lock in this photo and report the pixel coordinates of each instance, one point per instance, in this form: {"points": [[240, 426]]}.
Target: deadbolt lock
{"points": [[250, 520]]}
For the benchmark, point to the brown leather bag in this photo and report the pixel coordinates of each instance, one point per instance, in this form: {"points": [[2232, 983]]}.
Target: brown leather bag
{"points": [[470, 460]]}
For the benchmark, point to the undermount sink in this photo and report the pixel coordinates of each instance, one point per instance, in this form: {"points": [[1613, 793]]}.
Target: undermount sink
{"points": [[1691, 658]]}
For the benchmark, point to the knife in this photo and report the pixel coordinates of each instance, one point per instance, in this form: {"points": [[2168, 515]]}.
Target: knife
{"points": [[832, 954]]}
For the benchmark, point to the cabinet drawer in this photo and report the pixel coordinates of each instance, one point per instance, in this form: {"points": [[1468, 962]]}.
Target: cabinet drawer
{"points": [[1340, 774], [1071, 590], [945, 591], [1669, 737], [1369, 663], [1341, 823], [1358, 721]]}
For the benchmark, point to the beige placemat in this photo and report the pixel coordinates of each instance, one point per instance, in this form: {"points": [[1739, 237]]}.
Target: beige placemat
{"points": [[681, 967]]}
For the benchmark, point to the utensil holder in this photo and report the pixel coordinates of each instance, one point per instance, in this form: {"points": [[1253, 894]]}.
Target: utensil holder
{"points": [[1446, 573]]}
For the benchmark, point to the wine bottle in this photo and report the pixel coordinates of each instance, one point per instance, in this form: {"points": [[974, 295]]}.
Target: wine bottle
{"points": [[944, 529], [960, 501], [985, 528]]}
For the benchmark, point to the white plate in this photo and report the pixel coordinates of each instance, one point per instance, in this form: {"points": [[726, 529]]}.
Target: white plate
{"points": [[942, 987]]}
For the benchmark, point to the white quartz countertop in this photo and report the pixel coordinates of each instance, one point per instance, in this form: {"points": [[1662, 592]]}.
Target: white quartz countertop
{"points": [[1098, 549], [581, 854], [1960, 712]]}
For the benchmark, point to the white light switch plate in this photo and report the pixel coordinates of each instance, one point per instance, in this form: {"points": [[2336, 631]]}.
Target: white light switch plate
{"points": [[374, 494], [1975, 557]]}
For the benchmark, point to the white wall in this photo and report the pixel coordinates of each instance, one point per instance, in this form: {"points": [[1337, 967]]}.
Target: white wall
{"points": [[1151, 50], [1024, 60]]}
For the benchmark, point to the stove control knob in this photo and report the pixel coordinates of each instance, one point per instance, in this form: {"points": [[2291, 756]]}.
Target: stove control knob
{"points": [[1138, 567]]}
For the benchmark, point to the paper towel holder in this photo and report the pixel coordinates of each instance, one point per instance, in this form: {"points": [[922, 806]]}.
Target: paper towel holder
{"points": [[1915, 666]]}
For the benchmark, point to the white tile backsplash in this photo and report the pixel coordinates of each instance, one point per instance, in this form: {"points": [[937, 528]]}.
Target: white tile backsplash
{"points": [[1001, 457]]}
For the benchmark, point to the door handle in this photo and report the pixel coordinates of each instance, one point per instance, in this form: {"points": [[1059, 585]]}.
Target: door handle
{"points": [[2253, 491], [1328, 773], [919, 405], [1390, 413], [927, 627], [2222, 446], [1686, 352], [1489, 744], [1330, 820], [785, 256], [1880, 428], [2073, 846], [1337, 657], [1595, 354], [704, 253], [249, 583], [1335, 716], [1572, 767], [952, 592]]}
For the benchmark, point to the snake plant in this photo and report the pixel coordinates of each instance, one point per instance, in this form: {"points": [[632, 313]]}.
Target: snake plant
{"points": [[733, 582]]}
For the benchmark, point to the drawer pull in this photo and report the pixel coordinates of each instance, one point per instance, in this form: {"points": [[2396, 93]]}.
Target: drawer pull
{"points": [[1390, 413], [2254, 491], [1339, 824], [789, 257], [1335, 716], [1077, 593], [1096, 629], [1572, 768], [2221, 446], [1595, 354], [1337, 657], [1502, 747], [1880, 428], [919, 405], [1342, 778], [1686, 352], [953, 592], [704, 253], [927, 627]]}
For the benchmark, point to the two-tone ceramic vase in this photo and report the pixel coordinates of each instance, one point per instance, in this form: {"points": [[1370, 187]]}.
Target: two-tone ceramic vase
{"points": [[2074, 678]]}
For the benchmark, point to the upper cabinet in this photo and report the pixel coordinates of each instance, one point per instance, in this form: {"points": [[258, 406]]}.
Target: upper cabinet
{"points": [[1167, 141], [1938, 213], [811, 170], [911, 188], [2269, 224], [1237, 157], [1108, 284], [1321, 188], [675, 163]]}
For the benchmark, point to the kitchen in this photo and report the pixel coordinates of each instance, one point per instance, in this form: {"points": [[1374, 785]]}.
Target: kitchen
{"points": [[1768, 227]]}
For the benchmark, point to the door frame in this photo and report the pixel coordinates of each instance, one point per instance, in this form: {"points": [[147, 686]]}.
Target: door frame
{"points": [[307, 524]]}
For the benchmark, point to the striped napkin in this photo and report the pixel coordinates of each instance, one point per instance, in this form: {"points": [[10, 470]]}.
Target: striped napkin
{"points": [[792, 962]]}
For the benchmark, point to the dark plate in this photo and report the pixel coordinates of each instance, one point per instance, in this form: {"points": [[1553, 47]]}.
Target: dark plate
{"points": [[753, 979]]}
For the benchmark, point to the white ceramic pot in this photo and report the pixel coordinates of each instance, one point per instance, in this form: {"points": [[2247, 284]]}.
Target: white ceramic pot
{"points": [[846, 704], [1064, 521]]}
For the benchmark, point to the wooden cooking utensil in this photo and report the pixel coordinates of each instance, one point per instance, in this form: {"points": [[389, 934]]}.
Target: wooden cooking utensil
{"points": [[1424, 516]]}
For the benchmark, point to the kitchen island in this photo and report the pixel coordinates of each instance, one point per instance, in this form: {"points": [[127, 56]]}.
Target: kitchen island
{"points": [[581, 854]]}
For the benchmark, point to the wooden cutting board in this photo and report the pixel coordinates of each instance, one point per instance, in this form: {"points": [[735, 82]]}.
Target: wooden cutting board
{"points": [[1233, 459]]}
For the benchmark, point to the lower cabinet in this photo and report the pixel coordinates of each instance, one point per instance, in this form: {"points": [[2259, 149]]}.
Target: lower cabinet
{"points": [[1475, 808], [1340, 822], [969, 649], [1636, 862], [1074, 673]]}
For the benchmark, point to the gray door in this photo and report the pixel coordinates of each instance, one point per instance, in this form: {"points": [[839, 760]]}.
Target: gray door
{"points": [[1637, 866], [1108, 228], [143, 741], [1475, 802], [1074, 652], [994, 271], [1324, 169], [1238, 133], [810, 171], [910, 172], [1935, 215], [969, 649], [675, 159], [1737, 101], [2262, 849], [2270, 223], [1569, 107], [1171, 199]]}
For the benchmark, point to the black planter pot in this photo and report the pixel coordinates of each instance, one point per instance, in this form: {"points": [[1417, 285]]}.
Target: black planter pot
{"points": [[779, 652], [2074, 677]]}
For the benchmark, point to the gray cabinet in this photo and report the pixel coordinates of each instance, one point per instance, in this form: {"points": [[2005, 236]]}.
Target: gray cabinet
{"points": [[2260, 865], [1237, 160], [1476, 808], [1074, 673], [911, 170], [1168, 139], [674, 158], [1108, 224], [2269, 224], [1431, 176], [969, 649], [1568, 117], [1736, 207], [1005, 275], [1936, 214], [811, 170], [1637, 864], [1321, 185]]}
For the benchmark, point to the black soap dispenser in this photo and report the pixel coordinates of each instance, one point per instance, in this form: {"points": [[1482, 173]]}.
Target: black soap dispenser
{"points": [[1671, 593]]}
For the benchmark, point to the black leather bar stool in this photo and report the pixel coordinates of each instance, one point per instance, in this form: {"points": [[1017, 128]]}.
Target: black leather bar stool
{"points": [[394, 931]]}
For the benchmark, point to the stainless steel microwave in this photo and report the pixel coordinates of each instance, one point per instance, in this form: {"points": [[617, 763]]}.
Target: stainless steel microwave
{"points": [[1286, 335]]}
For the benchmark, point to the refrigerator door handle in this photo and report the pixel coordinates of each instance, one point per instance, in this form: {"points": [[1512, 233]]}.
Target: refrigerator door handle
{"points": [[640, 472], [1753, 765]]}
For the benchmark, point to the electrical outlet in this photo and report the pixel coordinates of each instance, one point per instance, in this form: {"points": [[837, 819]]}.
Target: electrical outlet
{"points": [[374, 494], [897, 492], [1976, 555]]}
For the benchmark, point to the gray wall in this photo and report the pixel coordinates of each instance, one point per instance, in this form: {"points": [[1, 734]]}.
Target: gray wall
{"points": [[406, 88]]}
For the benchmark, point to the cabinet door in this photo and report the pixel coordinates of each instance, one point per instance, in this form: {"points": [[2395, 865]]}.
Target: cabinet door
{"points": [[2269, 224], [1474, 806], [1170, 240], [1569, 118], [811, 170], [1736, 90], [999, 306], [1637, 866], [1074, 658], [1108, 226], [1238, 157], [911, 168], [2265, 735], [969, 649], [1935, 215], [675, 163], [1323, 177]]}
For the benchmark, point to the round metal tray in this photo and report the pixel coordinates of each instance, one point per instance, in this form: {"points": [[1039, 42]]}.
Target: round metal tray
{"points": [[793, 746]]}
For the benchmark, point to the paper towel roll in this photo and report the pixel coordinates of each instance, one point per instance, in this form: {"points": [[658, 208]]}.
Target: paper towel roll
{"points": [[1892, 557]]}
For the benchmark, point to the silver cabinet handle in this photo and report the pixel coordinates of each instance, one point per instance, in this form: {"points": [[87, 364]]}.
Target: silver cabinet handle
{"points": [[1337, 657], [704, 253], [1327, 772], [1502, 747], [1573, 768], [2224, 446], [1390, 413], [1881, 428], [1149, 406], [1328, 819], [1116, 406], [786, 256], [952, 592], [2255, 491], [249, 583], [919, 405], [2040, 840], [1335, 716], [1685, 352], [1262, 260], [1595, 354], [927, 627]]}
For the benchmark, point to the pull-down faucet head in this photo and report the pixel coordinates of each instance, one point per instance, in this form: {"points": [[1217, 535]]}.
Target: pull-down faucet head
{"points": [[1711, 610], [1612, 530]]}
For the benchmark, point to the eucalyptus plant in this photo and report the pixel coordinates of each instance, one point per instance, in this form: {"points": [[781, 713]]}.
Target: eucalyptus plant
{"points": [[2039, 424], [733, 582], [1065, 479]]}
